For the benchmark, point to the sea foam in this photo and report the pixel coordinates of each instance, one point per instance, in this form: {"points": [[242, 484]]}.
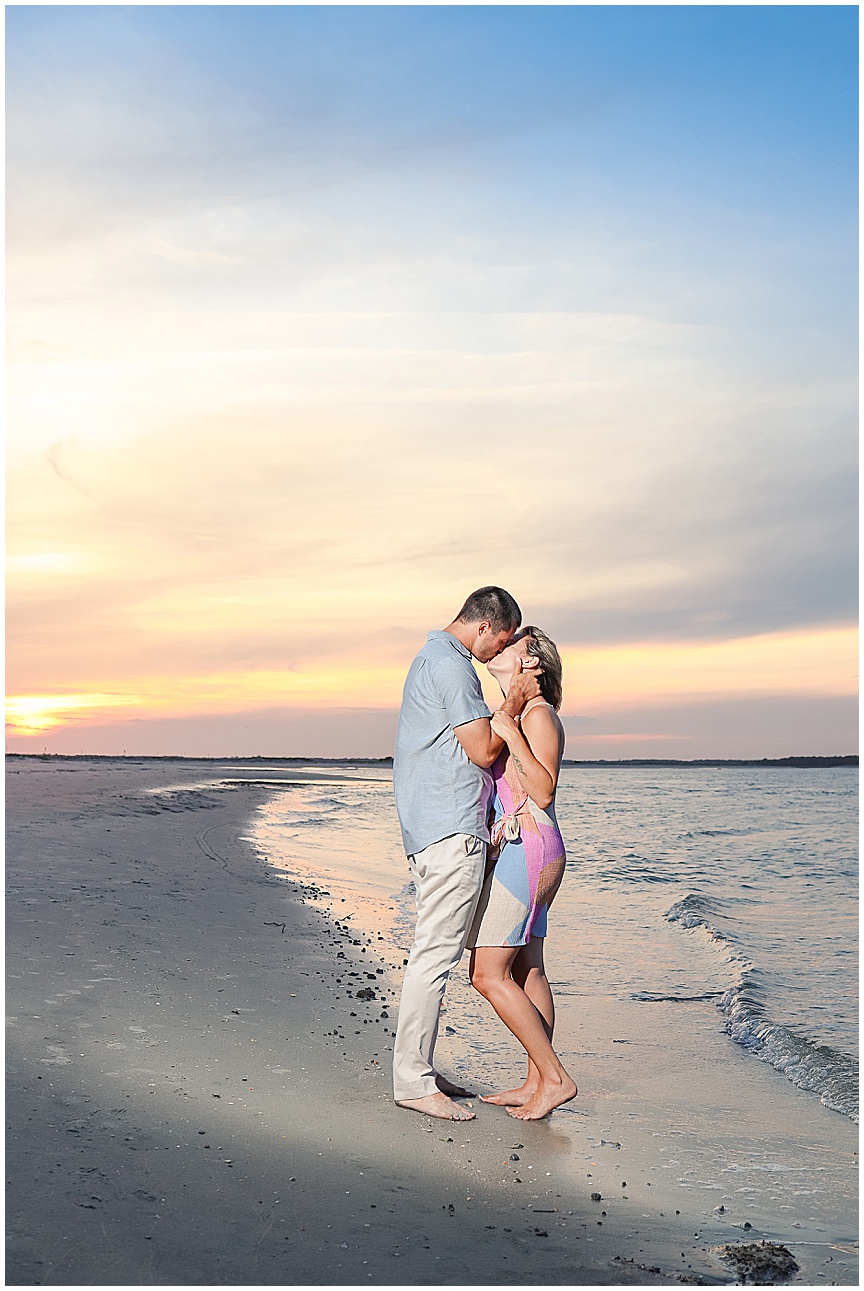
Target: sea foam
{"points": [[831, 1074]]}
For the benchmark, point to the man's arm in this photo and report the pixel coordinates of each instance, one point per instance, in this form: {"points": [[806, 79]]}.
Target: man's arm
{"points": [[478, 739]]}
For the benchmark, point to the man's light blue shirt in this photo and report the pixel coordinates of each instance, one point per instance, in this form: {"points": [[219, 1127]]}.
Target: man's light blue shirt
{"points": [[439, 791]]}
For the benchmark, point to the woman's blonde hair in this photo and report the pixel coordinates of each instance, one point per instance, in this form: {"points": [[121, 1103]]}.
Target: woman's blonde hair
{"points": [[542, 647]]}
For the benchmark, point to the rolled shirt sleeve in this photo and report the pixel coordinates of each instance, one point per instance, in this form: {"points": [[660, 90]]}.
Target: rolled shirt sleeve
{"points": [[459, 690]]}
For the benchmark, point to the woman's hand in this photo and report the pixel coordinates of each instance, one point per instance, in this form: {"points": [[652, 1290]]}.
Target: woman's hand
{"points": [[504, 726]]}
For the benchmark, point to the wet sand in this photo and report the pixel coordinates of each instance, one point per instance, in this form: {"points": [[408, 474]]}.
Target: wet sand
{"points": [[194, 1097]]}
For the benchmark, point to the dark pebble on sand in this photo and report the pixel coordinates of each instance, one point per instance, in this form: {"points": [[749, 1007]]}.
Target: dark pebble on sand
{"points": [[514, 1156], [596, 1196]]}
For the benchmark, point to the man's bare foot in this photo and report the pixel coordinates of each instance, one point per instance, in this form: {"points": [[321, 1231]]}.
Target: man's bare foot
{"points": [[436, 1105], [512, 1097], [548, 1097], [453, 1091]]}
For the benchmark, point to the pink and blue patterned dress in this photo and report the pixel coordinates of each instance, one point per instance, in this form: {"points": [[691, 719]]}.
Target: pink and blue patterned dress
{"points": [[523, 879]]}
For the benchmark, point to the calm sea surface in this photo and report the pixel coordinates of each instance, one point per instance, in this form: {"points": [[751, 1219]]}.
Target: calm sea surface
{"points": [[735, 884]]}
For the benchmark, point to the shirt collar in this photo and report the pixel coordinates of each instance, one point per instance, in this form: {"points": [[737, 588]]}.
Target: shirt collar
{"points": [[451, 640]]}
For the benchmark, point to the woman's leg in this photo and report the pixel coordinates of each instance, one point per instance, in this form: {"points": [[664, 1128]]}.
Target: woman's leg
{"points": [[491, 975], [529, 972]]}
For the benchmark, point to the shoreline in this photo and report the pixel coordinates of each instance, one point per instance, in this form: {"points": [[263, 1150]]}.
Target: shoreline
{"points": [[726, 1128], [196, 1099]]}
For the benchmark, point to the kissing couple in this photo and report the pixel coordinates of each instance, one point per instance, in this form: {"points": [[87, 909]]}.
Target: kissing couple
{"points": [[475, 795]]}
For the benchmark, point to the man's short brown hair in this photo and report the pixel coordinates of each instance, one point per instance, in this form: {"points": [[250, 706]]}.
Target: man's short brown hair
{"points": [[491, 605]]}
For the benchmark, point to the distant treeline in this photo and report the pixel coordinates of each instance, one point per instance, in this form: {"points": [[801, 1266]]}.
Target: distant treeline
{"points": [[848, 760]]}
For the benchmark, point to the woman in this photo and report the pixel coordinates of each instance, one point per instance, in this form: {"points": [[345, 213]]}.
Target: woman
{"points": [[510, 924]]}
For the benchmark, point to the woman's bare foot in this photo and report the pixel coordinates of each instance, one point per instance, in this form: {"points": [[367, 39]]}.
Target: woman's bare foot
{"points": [[453, 1091], [513, 1097], [438, 1105], [548, 1097]]}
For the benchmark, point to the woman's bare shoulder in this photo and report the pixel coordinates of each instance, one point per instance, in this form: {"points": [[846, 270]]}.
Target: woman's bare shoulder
{"points": [[540, 716], [539, 708]]}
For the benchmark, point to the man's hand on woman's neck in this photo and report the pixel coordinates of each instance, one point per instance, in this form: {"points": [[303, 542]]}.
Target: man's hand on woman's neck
{"points": [[523, 687]]}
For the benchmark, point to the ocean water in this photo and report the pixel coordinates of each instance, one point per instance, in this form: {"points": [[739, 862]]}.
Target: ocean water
{"points": [[734, 885], [758, 866]]}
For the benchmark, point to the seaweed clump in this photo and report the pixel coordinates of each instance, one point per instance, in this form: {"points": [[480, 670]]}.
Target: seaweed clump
{"points": [[759, 1263]]}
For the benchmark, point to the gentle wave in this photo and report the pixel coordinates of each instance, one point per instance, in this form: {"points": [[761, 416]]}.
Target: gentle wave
{"points": [[299, 821], [717, 833], [634, 869], [825, 1071], [654, 997]]}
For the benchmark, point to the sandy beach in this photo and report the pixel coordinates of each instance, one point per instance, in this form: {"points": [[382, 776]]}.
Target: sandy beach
{"points": [[197, 1096]]}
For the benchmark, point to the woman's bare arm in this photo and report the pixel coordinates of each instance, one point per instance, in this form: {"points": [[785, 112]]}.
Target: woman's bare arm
{"points": [[535, 750]]}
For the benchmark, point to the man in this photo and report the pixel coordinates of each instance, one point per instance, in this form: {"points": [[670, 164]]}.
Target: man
{"points": [[444, 747]]}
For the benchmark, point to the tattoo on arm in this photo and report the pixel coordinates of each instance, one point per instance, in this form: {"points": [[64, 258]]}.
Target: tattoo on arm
{"points": [[519, 765]]}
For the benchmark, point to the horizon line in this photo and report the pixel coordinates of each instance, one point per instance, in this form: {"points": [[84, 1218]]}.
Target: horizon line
{"points": [[803, 760]]}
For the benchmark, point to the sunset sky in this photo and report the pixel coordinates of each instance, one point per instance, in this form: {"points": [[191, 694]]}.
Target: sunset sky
{"points": [[322, 317]]}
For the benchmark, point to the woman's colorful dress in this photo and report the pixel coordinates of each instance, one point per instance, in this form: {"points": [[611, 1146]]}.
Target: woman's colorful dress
{"points": [[522, 880]]}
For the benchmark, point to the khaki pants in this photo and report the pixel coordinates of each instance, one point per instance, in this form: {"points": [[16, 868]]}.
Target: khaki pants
{"points": [[448, 876]]}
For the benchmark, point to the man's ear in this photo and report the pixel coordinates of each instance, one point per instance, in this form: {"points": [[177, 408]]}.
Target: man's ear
{"points": [[483, 627]]}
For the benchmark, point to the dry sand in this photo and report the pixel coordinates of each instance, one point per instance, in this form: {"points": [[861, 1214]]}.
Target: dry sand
{"points": [[192, 1100]]}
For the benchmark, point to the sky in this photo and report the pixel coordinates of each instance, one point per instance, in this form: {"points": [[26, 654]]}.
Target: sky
{"points": [[321, 317]]}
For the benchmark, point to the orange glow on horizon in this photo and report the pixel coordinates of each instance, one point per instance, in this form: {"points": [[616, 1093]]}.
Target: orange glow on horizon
{"points": [[818, 662], [597, 678]]}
